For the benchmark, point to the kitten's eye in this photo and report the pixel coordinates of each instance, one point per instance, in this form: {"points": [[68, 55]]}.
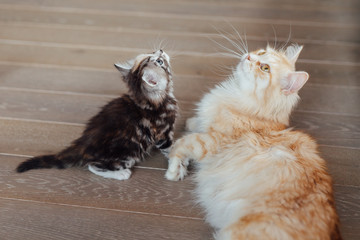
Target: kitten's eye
{"points": [[261, 53], [265, 67], [159, 61]]}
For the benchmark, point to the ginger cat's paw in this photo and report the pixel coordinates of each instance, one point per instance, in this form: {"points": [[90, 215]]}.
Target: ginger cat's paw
{"points": [[177, 169]]}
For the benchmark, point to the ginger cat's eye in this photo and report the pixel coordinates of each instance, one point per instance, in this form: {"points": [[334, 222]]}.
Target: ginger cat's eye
{"points": [[265, 67], [261, 53]]}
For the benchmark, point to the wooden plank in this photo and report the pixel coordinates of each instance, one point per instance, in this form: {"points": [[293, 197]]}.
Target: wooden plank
{"points": [[108, 82], [329, 129], [105, 82], [199, 10], [328, 99], [331, 5], [72, 187], [14, 49], [35, 221], [66, 107], [103, 57], [191, 44], [100, 57], [146, 191], [57, 65], [343, 164], [336, 129], [73, 109], [176, 26], [348, 207], [21, 102], [33, 138], [305, 5], [36, 138], [50, 107]]}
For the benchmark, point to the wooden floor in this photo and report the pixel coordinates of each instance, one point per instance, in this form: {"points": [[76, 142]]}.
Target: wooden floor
{"points": [[56, 70]]}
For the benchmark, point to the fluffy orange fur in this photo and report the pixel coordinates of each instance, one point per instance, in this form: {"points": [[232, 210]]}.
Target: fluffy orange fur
{"points": [[256, 178]]}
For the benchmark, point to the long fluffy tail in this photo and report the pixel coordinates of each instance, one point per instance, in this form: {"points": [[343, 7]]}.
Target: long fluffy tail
{"points": [[47, 161], [69, 157]]}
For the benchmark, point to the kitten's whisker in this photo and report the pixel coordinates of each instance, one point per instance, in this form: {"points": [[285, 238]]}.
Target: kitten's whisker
{"points": [[161, 44], [170, 46], [173, 54], [165, 44], [151, 45], [155, 43]]}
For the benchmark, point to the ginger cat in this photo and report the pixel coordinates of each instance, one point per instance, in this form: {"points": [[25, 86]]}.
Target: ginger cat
{"points": [[256, 178]]}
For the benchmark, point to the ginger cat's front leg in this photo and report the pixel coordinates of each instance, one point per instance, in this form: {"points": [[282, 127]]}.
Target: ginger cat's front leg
{"points": [[192, 124], [196, 147]]}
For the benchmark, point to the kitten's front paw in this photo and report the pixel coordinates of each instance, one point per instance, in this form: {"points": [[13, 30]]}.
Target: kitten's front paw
{"points": [[122, 174], [177, 169]]}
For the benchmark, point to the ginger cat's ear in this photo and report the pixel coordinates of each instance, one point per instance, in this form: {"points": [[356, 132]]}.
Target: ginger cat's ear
{"points": [[293, 52], [294, 82]]}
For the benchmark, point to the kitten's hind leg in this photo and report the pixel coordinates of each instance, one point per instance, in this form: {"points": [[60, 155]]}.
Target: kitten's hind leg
{"points": [[116, 172], [121, 174]]}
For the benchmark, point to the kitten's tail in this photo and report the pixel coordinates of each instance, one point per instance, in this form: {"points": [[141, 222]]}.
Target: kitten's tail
{"points": [[46, 161], [65, 159]]}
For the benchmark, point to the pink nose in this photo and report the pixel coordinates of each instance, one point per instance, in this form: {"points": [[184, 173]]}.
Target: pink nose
{"points": [[248, 57]]}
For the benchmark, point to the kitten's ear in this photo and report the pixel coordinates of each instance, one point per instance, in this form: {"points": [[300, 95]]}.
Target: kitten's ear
{"points": [[294, 82], [124, 68], [293, 52]]}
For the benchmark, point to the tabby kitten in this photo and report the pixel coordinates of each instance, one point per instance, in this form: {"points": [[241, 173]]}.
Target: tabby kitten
{"points": [[257, 179], [126, 128]]}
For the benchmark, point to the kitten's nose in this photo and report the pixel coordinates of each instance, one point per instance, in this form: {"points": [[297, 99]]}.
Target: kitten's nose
{"points": [[248, 57]]}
